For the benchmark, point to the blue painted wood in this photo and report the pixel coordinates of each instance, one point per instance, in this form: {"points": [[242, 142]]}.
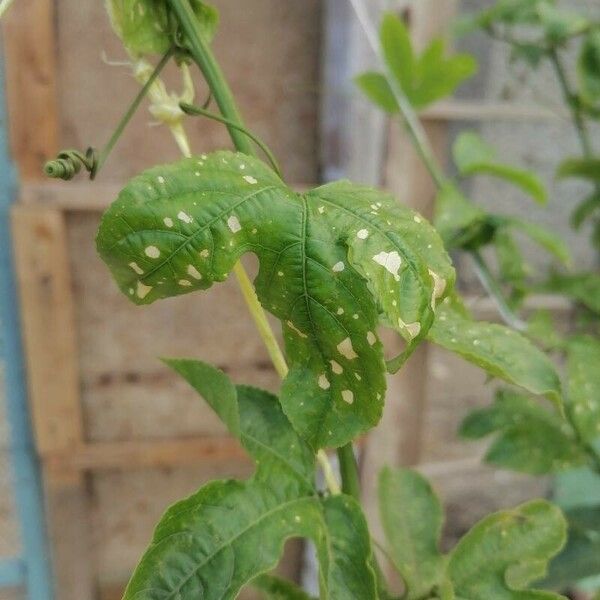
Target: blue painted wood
{"points": [[25, 472], [12, 573]]}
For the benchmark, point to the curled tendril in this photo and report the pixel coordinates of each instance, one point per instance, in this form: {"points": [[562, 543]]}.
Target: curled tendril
{"points": [[69, 162]]}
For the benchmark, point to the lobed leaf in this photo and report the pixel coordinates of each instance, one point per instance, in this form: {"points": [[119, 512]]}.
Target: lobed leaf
{"points": [[376, 87], [412, 519], [473, 156], [529, 438], [505, 550], [501, 351], [216, 541], [583, 397], [334, 263], [144, 25]]}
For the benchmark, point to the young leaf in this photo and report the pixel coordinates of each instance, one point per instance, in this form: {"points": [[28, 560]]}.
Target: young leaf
{"points": [[460, 223], [376, 87], [330, 261], [144, 26], [473, 156], [583, 168], [412, 519], [207, 545], [424, 79], [583, 287], [588, 67], [583, 398], [545, 238], [529, 439], [274, 588], [499, 350], [504, 551]]}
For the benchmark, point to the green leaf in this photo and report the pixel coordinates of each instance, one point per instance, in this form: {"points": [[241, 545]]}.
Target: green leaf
{"points": [[501, 351], [473, 156], [274, 588], [577, 488], [206, 545], [583, 168], [545, 238], [588, 67], [583, 287], [334, 263], [511, 263], [460, 223], [585, 210], [559, 25], [412, 519], [423, 79], [580, 558], [376, 87], [583, 397], [529, 438], [397, 50], [144, 25], [504, 550]]}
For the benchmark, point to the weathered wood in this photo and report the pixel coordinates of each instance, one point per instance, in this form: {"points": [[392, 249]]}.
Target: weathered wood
{"points": [[30, 56], [48, 327], [129, 455]]}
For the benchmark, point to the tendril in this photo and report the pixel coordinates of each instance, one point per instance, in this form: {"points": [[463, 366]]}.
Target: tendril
{"points": [[191, 109], [69, 162]]}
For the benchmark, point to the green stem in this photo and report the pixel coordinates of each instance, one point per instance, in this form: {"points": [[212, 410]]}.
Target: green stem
{"points": [[205, 60], [192, 109], [114, 138], [573, 104], [349, 471], [492, 287]]}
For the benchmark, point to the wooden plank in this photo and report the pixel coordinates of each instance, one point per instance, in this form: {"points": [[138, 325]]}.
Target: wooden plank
{"points": [[29, 45], [149, 454], [461, 110], [42, 266]]}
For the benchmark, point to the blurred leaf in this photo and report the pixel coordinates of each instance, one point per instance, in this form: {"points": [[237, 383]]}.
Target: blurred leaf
{"points": [[577, 488], [580, 558], [412, 518], [473, 156], [511, 263], [529, 438], [585, 210], [583, 387], [545, 238], [423, 79], [542, 329], [497, 349], [559, 25], [588, 67], [582, 168], [144, 25], [275, 588], [377, 89], [482, 565], [583, 287], [460, 222]]}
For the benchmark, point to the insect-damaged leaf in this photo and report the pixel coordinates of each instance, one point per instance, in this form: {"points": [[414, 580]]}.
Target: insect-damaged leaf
{"points": [[144, 25], [334, 263], [216, 541]]}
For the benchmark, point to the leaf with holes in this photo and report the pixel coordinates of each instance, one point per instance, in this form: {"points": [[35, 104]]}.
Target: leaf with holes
{"points": [[144, 25], [507, 550], [216, 541], [529, 438], [501, 351], [334, 263]]}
